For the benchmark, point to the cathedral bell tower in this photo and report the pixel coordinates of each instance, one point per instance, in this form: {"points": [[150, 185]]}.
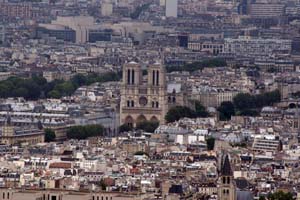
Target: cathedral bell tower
{"points": [[143, 98], [226, 184]]}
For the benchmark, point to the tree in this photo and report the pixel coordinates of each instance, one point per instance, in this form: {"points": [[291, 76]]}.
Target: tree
{"points": [[84, 132], [178, 112], [54, 94], [247, 104], [125, 128], [79, 80], [210, 142], [226, 110], [200, 110], [280, 196], [148, 126], [49, 135], [243, 101], [102, 184], [21, 92]]}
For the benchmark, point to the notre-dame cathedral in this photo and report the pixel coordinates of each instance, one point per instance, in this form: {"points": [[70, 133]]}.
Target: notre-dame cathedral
{"points": [[143, 99]]}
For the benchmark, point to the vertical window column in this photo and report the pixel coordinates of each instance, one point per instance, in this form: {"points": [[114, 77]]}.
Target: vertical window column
{"points": [[128, 76], [132, 78], [157, 78]]}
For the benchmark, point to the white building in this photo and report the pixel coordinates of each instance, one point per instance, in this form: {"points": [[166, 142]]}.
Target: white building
{"points": [[171, 8], [106, 9], [254, 47]]}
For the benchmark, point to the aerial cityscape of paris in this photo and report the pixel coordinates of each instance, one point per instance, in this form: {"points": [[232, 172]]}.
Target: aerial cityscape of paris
{"points": [[149, 99]]}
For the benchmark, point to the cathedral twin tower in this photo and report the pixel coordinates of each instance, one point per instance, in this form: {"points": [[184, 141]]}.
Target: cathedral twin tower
{"points": [[143, 98]]}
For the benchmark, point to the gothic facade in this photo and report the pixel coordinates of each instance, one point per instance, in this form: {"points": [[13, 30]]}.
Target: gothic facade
{"points": [[143, 99]]}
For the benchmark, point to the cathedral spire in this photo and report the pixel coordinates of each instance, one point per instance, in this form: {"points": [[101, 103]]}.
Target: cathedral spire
{"points": [[226, 167]]}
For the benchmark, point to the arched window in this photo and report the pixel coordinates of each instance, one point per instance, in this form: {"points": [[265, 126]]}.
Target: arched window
{"points": [[228, 180], [128, 103], [153, 77], [133, 81], [128, 76], [157, 77], [157, 104], [153, 104], [132, 103], [224, 180]]}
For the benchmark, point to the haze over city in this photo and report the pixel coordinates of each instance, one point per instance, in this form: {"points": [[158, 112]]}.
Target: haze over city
{"points": [[149, 99]]}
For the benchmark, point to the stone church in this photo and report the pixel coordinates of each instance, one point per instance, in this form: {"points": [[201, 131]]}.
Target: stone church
{"points": [[144, 98]]}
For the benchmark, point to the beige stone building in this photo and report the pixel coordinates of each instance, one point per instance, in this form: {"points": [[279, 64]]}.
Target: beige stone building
{"points": [[143, 99], [10, 135], [18, 194]]}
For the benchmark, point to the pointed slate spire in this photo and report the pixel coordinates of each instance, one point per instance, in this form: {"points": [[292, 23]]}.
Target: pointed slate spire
{"points": [[226, 167]]}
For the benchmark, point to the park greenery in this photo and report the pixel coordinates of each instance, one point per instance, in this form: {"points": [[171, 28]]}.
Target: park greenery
{"points": [[84, 132], [199, 65], [280, 195], [226, 110], [245, 104], [125, 128], [178, 112], [147, 126], [37, 86], [210, 142], [49, 135]]}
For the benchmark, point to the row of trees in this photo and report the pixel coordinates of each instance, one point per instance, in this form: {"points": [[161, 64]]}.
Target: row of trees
{"points": [[84, 132], [200, 65], [37, 86], [147, 126], [247, 105], [280, 195], [177, 112]]}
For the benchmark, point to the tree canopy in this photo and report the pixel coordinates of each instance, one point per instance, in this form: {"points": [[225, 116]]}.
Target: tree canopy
{"points": [[84, 132], [280, 195], [125, 128], [226, 110], [210, 142], [147, 126], [49, 135], [178, 112], [247, 104], [37, 86]]}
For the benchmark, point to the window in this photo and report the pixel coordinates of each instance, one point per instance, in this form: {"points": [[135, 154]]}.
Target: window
{"points": [[128, 103], [128, 76], [3, 195], [8, 195], [153, 77], [157, 104], [228, 180], [157, 78], [132, 77], [224, 180], [132, 103]]}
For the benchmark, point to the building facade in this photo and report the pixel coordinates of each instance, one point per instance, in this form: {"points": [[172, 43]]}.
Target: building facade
{"points": [[143, 99]]}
